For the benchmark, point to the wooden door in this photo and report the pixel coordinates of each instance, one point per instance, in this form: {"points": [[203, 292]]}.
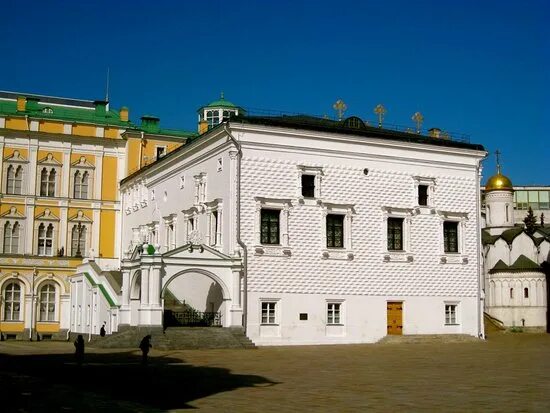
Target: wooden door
{"points": [[395, 317]]}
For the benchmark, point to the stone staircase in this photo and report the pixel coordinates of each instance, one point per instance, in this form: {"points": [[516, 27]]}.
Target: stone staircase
{"points": [[177, 338], [427, 338]]}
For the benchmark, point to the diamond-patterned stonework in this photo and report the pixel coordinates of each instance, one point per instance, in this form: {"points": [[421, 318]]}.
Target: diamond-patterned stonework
{"points": [[368, 273]]}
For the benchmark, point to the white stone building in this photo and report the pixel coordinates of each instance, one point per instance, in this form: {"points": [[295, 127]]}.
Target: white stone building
{"points": [[305, 231], [516, 261]]}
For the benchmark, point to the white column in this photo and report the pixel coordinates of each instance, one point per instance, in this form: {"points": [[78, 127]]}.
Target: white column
{"points": [[66, 174], [125, 288], [31, 237], [1, 159], [232, 213], [219, 228], [154, 285], [98, 178], [96, 228], [144, 286], [63, 229], [31, 171]]}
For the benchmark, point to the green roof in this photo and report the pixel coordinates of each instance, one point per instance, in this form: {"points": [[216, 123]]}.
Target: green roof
{"points": [[487, 238], [82, 111], [35, 110], [522, 264]]}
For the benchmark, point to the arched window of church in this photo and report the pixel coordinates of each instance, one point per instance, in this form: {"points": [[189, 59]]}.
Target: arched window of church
{"points": [[511, 293], [526, 292], [507, 213]]}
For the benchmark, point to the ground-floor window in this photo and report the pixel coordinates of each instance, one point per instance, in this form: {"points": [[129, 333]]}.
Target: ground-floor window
{"points": [[451, 314], [333, 313], [47, 303], [12, 302], [268, 312]]}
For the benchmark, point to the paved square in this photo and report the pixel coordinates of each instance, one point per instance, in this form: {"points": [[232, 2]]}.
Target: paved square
{"points": [[507, 373]]}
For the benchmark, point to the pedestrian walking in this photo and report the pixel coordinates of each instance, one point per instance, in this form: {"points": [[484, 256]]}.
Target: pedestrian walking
{"points": [[79, 349], [102, 330], [145, 346]]}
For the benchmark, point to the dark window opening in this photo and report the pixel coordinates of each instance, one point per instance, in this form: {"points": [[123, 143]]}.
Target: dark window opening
{"points": [[395, 234], [161, 151], [335, 231], [269, 231], [303, 316], [450, 236], [308, 186], [422, 194]]}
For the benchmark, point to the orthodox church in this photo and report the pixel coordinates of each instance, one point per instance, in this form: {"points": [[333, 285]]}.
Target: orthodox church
{"points": [[516, 261], [299, 230]]}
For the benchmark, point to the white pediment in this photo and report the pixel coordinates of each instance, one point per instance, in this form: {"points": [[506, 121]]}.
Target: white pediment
{"points": [[49, 160], [15, 157], [80, 217], [47, 215], [12, 213], [82, 163], [196, 251]]}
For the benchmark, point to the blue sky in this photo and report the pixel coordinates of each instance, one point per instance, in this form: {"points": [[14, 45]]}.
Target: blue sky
{"points": [[475, 67]]}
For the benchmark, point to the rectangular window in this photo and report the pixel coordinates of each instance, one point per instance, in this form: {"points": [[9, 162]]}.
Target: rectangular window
{"points": [[161, 151], [422, 194], [333, 313], [533, 199], [544, 199], [450, 236], [308, 186], [450, 314], [521, 199], [268, 312], [335, 231], [269, 231], [395, 234]]}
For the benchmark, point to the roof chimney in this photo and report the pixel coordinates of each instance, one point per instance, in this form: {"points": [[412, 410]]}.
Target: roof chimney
{"points": [[203, 126], [124, 114], [434, 132], [21, 103]]}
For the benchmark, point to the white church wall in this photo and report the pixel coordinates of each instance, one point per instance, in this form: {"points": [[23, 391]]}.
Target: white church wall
{"points": [[523, 245], [543, 252], [498, 251]]}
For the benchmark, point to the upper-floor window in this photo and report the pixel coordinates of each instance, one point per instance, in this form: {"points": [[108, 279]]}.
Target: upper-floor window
{"points": [[81, 183], [47, 182], [269, 229], [12, 302], [308, 186], [227, 114], [213, 118], [11, 238], [423, 195], [14, 182], [333, 313], [450, 236], [335, 231], [78, 240], [395, 234], [45, 239]]}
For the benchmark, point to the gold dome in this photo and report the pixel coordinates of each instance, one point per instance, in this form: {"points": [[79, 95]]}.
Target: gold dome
{"points": [[498, 182]]}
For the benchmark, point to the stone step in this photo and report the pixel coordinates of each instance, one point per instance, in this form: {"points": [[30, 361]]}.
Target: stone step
{"points": [[177, 338], [427, 338]]}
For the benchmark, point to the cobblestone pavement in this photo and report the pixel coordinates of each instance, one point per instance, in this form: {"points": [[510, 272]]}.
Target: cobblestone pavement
{"points": [[507, 373]]}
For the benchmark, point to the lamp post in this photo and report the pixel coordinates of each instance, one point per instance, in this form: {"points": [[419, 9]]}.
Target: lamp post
{"points": [[78, 253]]}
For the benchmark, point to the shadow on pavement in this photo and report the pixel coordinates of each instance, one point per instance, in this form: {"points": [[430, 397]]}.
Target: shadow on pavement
{"points": [[110, 382]]}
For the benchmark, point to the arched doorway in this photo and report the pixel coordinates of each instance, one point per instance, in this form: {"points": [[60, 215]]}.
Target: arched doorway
{"points": [[194, 298]]}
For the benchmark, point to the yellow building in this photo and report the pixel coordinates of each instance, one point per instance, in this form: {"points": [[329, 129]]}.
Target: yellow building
{"points": [[60, 165]]}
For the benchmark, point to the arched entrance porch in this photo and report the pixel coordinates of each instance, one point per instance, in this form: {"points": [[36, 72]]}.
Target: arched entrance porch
{"points": [[194, 297]]}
